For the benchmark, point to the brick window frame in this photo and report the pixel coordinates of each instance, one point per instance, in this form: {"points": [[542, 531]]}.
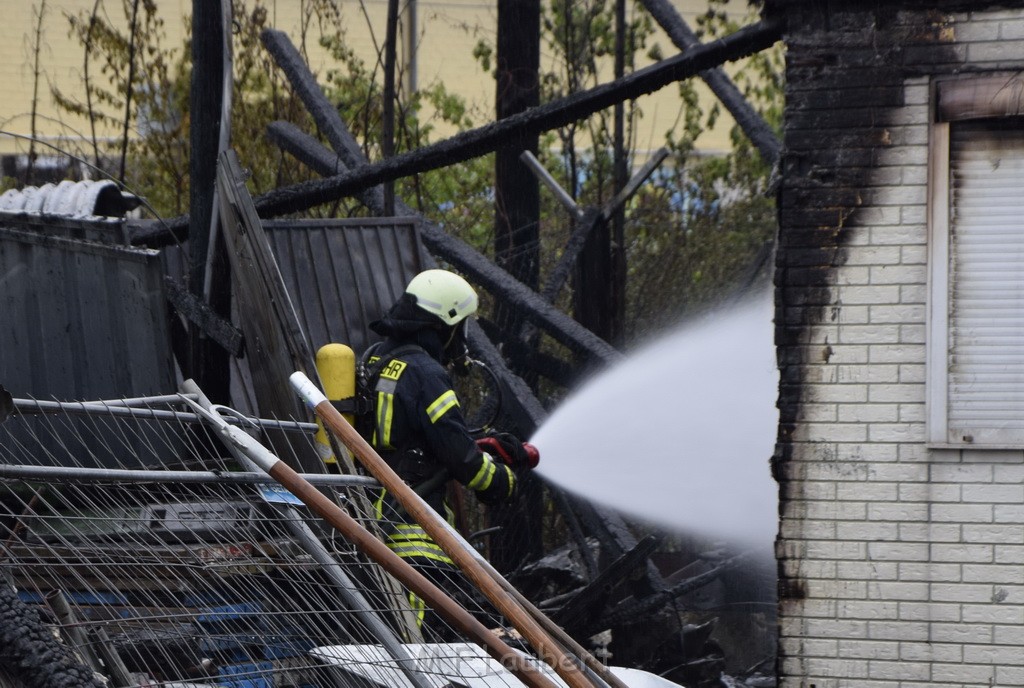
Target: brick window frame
{"points": [[974, 363]]}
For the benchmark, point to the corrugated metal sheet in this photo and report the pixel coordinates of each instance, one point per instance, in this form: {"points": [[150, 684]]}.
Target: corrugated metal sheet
{"points": [[343, 274], [82, 199], [81, 320]]}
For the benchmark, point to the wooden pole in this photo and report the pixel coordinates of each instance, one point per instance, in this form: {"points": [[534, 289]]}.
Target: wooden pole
{"points": [[549, 651], [556, 631], [372, 547], [388, 106]]}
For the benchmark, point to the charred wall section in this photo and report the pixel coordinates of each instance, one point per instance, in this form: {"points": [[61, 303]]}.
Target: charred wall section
{"points": [[856, 132]]}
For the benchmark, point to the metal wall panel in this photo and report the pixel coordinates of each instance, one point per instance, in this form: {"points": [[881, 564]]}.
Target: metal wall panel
{"points": [[79, 321], [344, 274]]}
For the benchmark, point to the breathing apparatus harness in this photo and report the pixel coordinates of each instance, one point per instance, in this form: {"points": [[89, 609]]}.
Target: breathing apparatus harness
{"points": [[502, 446]]}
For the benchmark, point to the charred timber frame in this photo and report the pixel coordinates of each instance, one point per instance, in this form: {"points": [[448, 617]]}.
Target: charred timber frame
{"points": [[485, 139], [752, 124], [348, 153], [350, 156], [476, 142], [607, 526]]}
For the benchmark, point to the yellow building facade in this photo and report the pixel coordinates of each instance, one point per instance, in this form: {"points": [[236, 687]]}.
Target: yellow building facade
{"points": [[38, 55]]}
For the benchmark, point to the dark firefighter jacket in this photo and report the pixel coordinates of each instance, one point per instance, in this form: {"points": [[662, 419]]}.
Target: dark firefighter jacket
{"points": [[419, 430]]}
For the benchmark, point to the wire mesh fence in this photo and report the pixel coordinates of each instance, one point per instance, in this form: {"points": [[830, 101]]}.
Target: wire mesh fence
{"points": [[161, 560]]}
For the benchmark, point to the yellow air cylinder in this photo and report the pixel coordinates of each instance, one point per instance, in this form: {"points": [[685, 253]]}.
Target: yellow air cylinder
{"points": [[336, 364]]}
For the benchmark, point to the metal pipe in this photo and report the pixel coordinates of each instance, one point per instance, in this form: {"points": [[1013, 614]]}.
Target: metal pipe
{"points": [[141, 401], [103, 475], [103, 409], [542, 173]]}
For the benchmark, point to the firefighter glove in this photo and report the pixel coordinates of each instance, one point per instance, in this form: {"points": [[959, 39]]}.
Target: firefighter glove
{"points": [[507, 447]]}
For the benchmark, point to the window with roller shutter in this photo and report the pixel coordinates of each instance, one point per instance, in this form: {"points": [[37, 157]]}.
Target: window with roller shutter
{"points": [[976, 253]]}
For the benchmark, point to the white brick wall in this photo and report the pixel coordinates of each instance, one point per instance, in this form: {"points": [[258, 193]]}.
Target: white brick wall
{"points": [[904, 565]]}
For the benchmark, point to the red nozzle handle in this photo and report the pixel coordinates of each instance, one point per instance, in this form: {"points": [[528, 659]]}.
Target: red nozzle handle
{"points": [[532, 455], [525, 454]]}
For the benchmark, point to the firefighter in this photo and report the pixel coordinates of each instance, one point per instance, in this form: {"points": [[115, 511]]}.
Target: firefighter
{"points": [[418, 427]]}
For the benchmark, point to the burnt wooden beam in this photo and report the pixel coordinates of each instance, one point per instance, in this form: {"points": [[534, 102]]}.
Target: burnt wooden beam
{"points": [[209, 274], [752, 124], [615, 536], [308, 150], [635, 610], [199, 313], [556, 370], [276, 344], [588, 220], [518, 128], [585, 225], [388, 105], [475, 142], [497, 281], [590, 601], [516, 192], [560, 326]]}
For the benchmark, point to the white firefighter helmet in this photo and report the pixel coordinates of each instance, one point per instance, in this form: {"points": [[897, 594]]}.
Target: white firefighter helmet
{"points": [[444, 294]]}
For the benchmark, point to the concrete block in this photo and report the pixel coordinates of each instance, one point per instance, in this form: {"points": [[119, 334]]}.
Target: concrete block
{"points": [[928, 532], [1002, 536], [899, 671], [993, 614], [962, 513], [896, 432], [901, 591], [908, 631], [898, 551], [961, 592], [865, 530], [995, 573], [911, 373], [961, 633], [962, 473], [1008, 513], [898, 353], [931, 652], [867, 492], [898, 393], [930, 612], [993, 493], [963, 552], [867, 413], [860, 373], [963, 674], [866, 649], [836, 628]]}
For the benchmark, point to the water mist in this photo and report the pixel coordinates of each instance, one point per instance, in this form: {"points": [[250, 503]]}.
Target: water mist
{"points": [[681, 432]]}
